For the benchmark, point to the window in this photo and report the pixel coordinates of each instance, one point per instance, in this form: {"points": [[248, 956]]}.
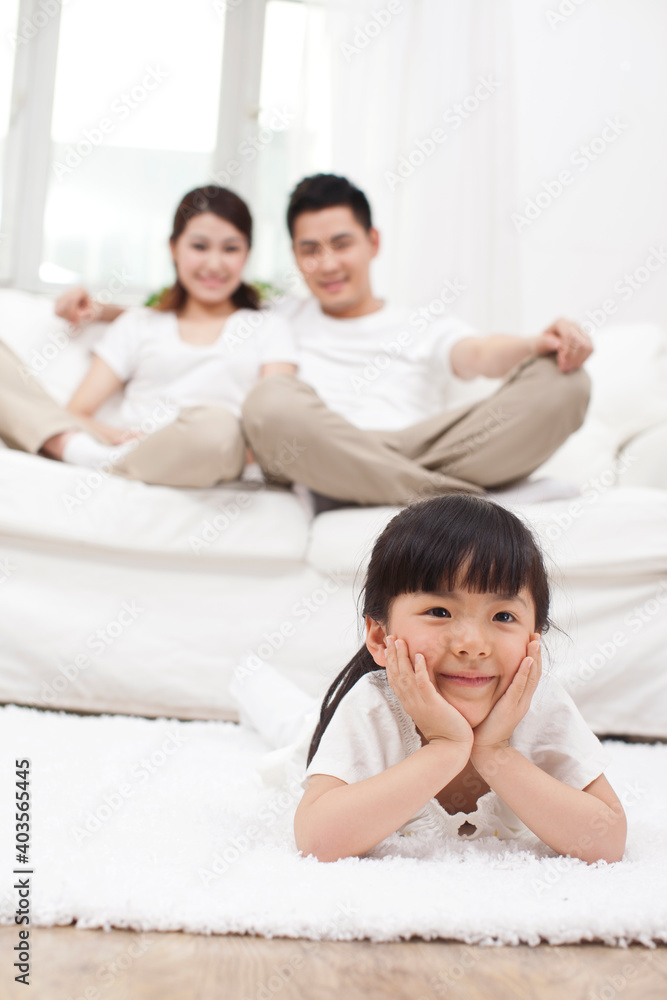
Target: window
{"points": [[293, 124], [9, 13], [121, 107], [134, 127]]}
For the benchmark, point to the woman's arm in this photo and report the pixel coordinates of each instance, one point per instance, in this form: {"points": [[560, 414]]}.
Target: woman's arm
{"points": [[98, 385], [336, 820], [588, 824], [278, 368]]}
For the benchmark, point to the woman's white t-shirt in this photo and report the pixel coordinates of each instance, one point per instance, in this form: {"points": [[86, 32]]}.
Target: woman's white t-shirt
{"points": [[370, 731], [163, 374]]}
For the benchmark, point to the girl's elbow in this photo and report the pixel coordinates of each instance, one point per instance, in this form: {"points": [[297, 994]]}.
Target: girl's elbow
{"points": [[610, 847], [318, 847], [609, 853], [318, 840]]}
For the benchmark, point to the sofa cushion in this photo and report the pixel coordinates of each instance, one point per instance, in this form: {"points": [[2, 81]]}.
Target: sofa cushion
{"points": [[43, 499], [644, 458], [602, 533]]}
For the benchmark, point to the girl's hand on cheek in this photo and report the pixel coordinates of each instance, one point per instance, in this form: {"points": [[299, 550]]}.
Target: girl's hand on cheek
{"points": [[509, 710], [434, 717]]}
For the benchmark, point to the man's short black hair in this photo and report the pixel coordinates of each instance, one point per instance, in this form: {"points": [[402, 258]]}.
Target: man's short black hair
{"points": [[327, 191]]}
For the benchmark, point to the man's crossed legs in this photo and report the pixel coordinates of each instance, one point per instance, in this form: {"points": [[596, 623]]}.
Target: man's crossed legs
{"points": [[295, 437]]}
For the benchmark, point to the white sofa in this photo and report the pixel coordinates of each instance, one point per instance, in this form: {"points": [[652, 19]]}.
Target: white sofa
{"points": [[121, 597]]}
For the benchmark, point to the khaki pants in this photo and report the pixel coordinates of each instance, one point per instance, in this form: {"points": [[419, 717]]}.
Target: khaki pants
{"points": [[489, 444], [202, 447]]}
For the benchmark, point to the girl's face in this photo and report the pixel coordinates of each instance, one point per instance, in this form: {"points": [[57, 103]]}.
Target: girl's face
{"points": [[210, 255], [472, 643]]}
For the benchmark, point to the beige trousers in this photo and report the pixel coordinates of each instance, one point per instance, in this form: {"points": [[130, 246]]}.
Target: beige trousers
{"points": [[488, 444], [202, 447]]}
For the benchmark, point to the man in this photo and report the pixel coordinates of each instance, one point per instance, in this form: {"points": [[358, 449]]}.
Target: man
{"points": [[366, 420]]}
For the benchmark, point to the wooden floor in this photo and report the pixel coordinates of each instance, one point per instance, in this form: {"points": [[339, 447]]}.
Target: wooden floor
{"points": [[70, 964]]}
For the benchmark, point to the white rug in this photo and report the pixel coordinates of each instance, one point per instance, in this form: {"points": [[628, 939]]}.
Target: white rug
{"points": [[162, 825]]}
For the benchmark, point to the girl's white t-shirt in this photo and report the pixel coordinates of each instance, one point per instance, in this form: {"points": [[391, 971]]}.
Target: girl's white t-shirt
{"points": [[163, 374], [370, 731]]}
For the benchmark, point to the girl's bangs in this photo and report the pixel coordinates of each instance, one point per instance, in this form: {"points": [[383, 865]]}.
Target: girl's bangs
{"points": [[461, 549]]}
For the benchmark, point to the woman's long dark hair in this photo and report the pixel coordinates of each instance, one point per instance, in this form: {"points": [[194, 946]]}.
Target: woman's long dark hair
{"points": [[459, 540], [228, 206]]}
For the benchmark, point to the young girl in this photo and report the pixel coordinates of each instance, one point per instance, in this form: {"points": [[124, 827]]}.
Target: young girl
{"points": [[440, 725], [185, 366]]}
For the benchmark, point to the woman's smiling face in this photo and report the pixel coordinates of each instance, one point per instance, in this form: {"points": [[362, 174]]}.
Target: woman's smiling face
{"points": [[472, 643], [210, 255]]}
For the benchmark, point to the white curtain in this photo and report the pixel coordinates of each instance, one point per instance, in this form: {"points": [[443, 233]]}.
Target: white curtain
{"points": [[423, 122], [534, 82]]}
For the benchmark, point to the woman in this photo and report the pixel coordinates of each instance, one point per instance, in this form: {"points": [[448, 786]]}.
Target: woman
{"points": [[185, 365]]}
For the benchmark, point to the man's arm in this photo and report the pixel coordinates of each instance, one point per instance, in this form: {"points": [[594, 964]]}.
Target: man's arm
{"points": [[76, 306], [494, 356]]}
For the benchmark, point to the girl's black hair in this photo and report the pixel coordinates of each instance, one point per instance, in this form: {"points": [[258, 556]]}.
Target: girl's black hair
{"points": [[458, 540]]}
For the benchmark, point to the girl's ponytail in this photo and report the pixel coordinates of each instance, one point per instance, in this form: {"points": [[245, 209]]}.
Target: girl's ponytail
{"points": [[360, 664]]}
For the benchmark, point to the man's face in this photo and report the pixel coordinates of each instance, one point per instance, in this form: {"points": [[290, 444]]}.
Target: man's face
{"points": [[333, 252]]}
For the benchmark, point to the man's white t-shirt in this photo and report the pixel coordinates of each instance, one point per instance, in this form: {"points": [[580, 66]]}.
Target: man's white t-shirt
{"points": [[370, 731], [384, 371], [162, 373]]}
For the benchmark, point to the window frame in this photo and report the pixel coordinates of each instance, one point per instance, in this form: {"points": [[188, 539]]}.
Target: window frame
{"points": [[28, 148]]}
